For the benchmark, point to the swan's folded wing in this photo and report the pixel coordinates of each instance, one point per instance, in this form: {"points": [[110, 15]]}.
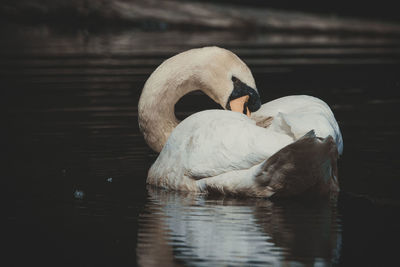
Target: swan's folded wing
{"points": [[213, 142], [298, 114]]}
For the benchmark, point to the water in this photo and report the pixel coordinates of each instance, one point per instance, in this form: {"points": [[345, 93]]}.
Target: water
{"points": [[195, 230], [77, 163]]}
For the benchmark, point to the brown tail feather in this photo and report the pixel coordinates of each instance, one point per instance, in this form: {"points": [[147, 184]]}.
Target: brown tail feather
{"points": [[307, 166]]}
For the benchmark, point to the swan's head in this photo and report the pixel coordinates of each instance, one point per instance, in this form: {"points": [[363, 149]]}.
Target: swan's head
{"points": [[243, 98], [225, 78]]}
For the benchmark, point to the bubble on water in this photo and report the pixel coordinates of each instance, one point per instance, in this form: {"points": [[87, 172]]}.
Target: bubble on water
{"points": [[79, 194]]}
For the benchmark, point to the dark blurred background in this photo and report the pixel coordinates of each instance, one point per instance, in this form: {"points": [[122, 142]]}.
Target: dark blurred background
{"points": [[229, 13], [71, 73]]}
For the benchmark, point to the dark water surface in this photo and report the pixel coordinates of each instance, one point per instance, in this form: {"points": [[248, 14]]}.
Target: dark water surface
{"points": [[76, 162]]}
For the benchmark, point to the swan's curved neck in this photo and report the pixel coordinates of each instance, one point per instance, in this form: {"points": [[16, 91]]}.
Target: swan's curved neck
{"points": [[157, 108], [208, 69]]}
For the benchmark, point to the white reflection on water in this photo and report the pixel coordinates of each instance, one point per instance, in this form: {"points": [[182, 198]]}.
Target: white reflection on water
{"points": [[188, 229]]}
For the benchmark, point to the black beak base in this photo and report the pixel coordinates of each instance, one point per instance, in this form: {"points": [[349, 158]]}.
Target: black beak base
{"points": [[241, 89]]}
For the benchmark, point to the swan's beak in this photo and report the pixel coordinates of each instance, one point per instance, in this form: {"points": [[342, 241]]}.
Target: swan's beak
{"points": [[240, 105]]}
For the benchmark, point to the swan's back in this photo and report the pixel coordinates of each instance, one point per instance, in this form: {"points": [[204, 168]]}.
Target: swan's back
{"points": [[213, 142], [298, 114]]}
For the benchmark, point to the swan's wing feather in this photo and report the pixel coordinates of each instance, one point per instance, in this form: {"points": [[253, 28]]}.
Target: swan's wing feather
{"points": [[298, 114], [213, 142]]}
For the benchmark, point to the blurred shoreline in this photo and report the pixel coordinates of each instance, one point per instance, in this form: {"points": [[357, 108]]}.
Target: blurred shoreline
{"points": [[184, 15]]}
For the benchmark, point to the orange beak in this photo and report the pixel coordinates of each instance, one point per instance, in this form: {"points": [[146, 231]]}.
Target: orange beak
{"points": [[240, 105]]}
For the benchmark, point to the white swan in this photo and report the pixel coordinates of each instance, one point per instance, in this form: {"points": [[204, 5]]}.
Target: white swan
{"points": [[288, 147]]}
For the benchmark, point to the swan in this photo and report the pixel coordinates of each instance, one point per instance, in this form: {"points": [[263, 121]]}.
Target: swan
{"points": [[286, 147]]}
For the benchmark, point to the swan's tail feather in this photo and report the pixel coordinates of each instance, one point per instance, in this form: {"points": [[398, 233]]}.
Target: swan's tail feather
{"points": [[307, 166], [310, 134]]}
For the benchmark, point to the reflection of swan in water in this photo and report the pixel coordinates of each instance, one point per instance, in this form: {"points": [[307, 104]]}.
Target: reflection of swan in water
{"points": [[193, 229]]}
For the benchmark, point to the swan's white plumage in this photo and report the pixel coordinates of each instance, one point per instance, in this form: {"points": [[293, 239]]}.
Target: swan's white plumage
{"points": [[216, 149], [298, 114], [226, 151]]}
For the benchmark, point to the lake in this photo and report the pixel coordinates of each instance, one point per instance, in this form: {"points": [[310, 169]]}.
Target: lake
{"points": [[77, 163]]}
